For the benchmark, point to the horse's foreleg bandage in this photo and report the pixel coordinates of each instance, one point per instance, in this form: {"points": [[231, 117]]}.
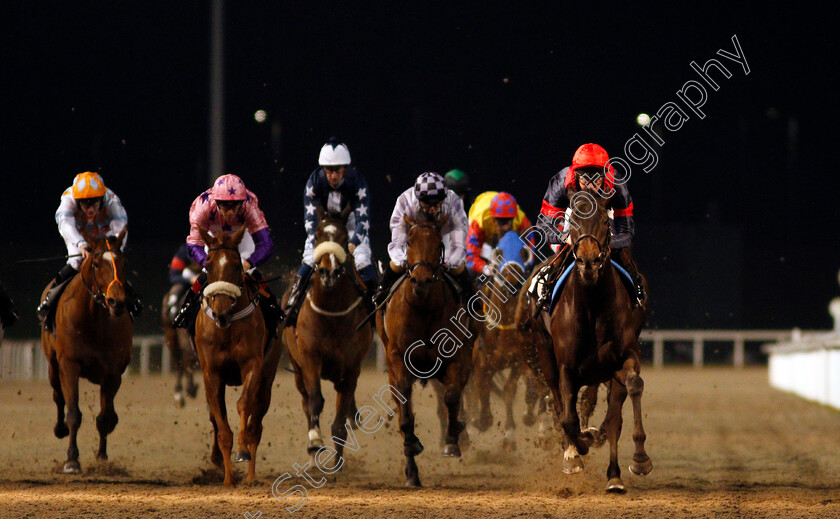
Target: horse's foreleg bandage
{"points": [[222, 287]]}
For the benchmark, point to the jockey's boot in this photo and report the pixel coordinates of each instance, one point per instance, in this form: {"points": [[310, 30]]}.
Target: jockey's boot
{"points": [[465, 282], [186, 315], [368, 275], [550, 276], [295, 300], [272, 313], [61, 279], [625, 259], [132, 301], [8, 315], [389, 277]]}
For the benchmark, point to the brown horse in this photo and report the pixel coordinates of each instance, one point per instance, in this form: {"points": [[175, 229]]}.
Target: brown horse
{"points": [[595, 339], [92, 340], [324, 344], [177, 341], [234, 348], [427, 333], [500, 345]]}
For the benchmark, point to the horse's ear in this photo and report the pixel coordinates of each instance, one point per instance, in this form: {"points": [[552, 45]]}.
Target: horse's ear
{"points": [[441, 220], [498, 253], [121, 237], [408, 220], [236, 237], [206, 236], [526, 254], [345, 213], [320, 213]]}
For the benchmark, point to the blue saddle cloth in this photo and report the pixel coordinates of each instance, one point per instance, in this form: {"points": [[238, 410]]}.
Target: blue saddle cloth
{"points": [[558, 286]]}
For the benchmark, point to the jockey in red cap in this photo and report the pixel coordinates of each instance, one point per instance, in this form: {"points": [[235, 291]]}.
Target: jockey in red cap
{"points": [[590, 169]]}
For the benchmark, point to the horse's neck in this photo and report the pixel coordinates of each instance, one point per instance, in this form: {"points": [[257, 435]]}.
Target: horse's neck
{"points": [[601, 294]]}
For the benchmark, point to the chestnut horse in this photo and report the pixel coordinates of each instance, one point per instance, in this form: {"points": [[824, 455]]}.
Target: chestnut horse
{"points": [[499, 346], [177, 341], [595, 339], [234, 348], [427, 333], [324, 344], [92, 340]]}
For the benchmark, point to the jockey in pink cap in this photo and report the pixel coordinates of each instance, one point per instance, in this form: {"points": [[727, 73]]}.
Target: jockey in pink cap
{"points": [[224, 208]]}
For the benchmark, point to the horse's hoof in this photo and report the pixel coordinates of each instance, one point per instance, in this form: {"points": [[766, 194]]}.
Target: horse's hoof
{"points": [[414, 449], [572, 465], [451, 450], [72, 467], [192, 392], [587, 437], [180, 401], [61, 430], [351, 421], [241, 456], [615, 486], [483, 423], [314, 446], [529, 419], [600, 437], [413, 482], [641, 468], [101, 456]]}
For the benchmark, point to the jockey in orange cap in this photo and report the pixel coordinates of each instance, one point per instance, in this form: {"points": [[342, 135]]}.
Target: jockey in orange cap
{"points": [[86, 206], [590, 170], [491, 216]]}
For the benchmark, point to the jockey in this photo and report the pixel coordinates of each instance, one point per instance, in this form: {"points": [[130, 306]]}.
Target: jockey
{"points": [[226, 207], [429, 199], [8, 315], [491, 216], [588, 172], [86, 206], [334, 186], [458, 181], [183, 272]]}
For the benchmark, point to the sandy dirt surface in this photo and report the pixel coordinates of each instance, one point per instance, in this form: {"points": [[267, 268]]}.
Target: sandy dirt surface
{"points": [[723, 444]]}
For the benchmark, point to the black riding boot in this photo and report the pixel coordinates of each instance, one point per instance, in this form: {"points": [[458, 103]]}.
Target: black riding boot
{"points": [[132, 301], [61, 279], [189, 310], [466, 283], [389, 277], [296, 298], [637, 291]]}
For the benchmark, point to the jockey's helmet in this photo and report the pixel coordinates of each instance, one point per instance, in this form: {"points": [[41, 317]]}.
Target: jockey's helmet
{"points": [[430, 187], [457, 181], [229, 187], [88, 185], [503, 205], [588, 156], [334, 153]]}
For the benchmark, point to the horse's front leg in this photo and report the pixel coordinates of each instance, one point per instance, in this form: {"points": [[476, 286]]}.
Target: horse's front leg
{"points": [[107, 419], [641, 465], [70, 388], [250, 373], [344, 401], [214, 390], [509, 442], [311, 373], [574, 446], [616, 395], [60, 429], [454, 381], [411, 444]]}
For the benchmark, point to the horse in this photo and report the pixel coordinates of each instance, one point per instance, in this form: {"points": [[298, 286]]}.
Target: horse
{"points": [[594, 332], [499, 345], [177, 341], [234, 348], [427, 333], [324, 344], [92, 340]]}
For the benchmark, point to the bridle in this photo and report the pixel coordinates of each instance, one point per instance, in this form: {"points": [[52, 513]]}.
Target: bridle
{"points": [[96, 293], [244, 312], [436, 268], [603, 247]]}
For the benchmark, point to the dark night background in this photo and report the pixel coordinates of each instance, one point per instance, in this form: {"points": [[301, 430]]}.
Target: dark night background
{"points": [[735, 228]]}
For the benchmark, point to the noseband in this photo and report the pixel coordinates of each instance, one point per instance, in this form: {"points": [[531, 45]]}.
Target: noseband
{"points": [[232, 290], [96, 292], [603, 247], [436, 268]]}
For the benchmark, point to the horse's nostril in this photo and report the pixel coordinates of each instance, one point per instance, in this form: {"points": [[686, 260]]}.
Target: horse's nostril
{"points": [[111, 301]]}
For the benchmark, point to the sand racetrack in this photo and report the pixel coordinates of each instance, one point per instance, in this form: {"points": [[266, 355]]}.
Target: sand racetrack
{"points": [[723, 444]]}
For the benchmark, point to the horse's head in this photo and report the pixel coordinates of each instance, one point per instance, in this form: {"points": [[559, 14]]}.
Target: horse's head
{"points": [[330, 246], [509, 261], [107, 266], [589, 233], [424, 253], [225, 276]]}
